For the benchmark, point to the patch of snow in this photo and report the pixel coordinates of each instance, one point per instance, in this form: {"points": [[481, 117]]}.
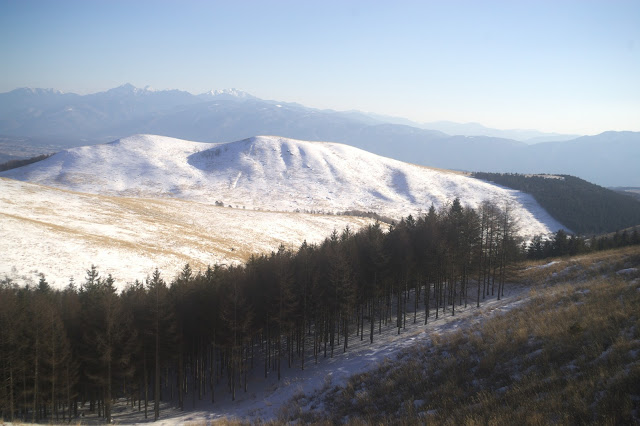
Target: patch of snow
{"points": [[535, 353], [545, 266], [605, 354], [228, 94]]}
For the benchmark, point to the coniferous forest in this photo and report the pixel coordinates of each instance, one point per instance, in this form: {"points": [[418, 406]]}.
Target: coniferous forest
{"points": [[14, 164], [601, 209], [83, 347], [86, 345]]}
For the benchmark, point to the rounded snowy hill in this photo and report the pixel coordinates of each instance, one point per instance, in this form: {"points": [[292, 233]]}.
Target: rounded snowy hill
{"points": [[271, 173]]}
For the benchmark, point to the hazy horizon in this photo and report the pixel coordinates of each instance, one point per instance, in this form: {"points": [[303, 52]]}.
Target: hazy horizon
{"points": [[564, 67]]}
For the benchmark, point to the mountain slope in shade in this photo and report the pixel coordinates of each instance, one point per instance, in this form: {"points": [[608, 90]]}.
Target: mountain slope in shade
{"points": [[271, 173]]}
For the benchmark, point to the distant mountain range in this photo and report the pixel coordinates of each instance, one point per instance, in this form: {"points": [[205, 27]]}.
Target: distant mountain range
{"points": [[39, 116], [528, 136]]}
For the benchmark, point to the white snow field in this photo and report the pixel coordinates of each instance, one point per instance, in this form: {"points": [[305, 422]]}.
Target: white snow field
{"points": [[62, 233], [272, 173]]}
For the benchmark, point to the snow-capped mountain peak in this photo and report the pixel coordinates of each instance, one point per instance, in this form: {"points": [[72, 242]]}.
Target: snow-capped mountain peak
{"points": [[127, 89], [37, 91], [234, 94]]}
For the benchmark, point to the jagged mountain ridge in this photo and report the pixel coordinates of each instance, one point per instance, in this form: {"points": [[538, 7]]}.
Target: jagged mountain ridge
{"points": [[271, 173]]}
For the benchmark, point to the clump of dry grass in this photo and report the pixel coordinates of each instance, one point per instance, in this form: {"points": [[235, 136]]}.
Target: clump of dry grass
{"points": [[542, 273], [219, 422], [570, 355]]}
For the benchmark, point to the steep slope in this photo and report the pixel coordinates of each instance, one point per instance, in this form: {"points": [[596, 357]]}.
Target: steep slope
{"points": [[62, 233], [271, 173]]}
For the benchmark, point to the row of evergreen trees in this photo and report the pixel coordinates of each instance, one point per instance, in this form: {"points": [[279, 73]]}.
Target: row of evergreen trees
{"points": [[563, 244], [77, 349], [14, 164]]}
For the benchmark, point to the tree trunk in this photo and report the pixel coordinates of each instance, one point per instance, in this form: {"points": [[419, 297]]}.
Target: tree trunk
{"points": [[36, 377], [146, 384], [427, 289], [372, 318], [156, 391], [346, 333], [453, 296]]}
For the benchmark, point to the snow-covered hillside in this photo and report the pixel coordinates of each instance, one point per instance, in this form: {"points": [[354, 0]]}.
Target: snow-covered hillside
{"points": [[271, 173], [61, 233]]}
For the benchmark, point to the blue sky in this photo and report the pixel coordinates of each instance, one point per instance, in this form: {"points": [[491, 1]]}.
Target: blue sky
{"points": [[564, 66]]}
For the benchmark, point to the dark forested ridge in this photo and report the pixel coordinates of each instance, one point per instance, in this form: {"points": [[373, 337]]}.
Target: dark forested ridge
{"points": [[581, 206], [630, 191], [14, 164], [74, 350]]}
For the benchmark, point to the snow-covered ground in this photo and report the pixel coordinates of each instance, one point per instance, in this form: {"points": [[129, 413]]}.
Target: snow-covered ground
{"points": [[62, 233], [272, 173]]}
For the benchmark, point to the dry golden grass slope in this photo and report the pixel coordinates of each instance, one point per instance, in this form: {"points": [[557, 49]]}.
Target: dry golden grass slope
{"points": [[569, 355], [61, 233]]}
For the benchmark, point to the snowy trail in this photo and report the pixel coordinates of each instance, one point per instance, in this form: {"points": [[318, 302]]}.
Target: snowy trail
{"points": [[265, 397]]}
